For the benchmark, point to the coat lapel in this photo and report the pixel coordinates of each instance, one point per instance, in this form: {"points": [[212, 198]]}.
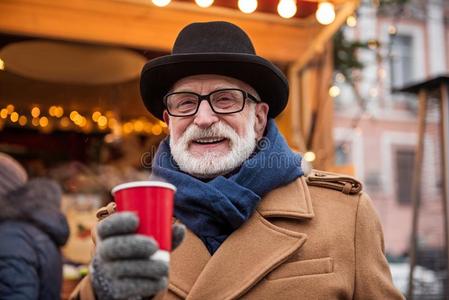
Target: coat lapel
{"points": [[251, 252], [187, 262]]}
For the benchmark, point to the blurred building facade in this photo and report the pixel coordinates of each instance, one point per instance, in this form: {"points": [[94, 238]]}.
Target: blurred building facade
{"points": [[376, 128]]}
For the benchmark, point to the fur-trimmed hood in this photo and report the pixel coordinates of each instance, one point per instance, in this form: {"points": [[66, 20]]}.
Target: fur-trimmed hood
{"points": [[37, 202]]}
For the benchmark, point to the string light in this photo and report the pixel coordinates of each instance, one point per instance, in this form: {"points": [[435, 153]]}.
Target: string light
{"points": [[59, 112], [112, 123], [10, 108], [102, 121], [156, 130], [138, 126], [43, 121], [339, 77], [325, 13], [14, 117], [247, 6], [35, 112], [161, 3], [96, 115], [147, 128], [204, 3], [73, 115], [35, 121], [52, 110], [309, 156], [287, 8], [4, 113], [351, 21], [334, 91], [105, 121], [2, 65], [65, 122], [128, 128], [392, 30], [23, 120]]}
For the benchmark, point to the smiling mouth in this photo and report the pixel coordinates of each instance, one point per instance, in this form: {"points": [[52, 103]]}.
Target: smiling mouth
{"points": [[209, 140]]}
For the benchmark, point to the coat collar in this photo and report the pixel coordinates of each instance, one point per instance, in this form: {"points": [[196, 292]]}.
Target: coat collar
{"points": [[231, 270], [290, 201]]}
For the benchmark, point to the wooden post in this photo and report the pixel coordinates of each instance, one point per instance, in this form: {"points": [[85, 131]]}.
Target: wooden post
{"points": [[416, 186], [444, 133]]}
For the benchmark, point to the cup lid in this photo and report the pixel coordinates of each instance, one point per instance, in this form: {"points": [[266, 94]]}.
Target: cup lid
{"points": [[133, 184]]}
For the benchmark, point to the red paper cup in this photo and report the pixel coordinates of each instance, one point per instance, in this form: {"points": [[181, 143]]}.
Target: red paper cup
{"points": [[152, 201]]}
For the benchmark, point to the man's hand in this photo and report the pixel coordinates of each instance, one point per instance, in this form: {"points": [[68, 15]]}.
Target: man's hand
{"points": [[122, 267]]}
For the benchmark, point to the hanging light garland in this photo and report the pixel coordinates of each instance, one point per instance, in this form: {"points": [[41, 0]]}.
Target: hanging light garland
{"points": [[287, 8], [204, 3], [95, 122], [161, 3], [247, 6], [325, 14]]}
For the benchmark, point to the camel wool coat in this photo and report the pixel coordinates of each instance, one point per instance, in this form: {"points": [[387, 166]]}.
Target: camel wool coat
{"points": [[316, 238]]}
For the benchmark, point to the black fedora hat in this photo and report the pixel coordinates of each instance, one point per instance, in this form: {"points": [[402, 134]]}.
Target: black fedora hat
{"points": [[213, 48]]}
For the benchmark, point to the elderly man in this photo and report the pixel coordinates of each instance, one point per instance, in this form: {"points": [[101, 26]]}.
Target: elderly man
{"points": [[257, 228]]}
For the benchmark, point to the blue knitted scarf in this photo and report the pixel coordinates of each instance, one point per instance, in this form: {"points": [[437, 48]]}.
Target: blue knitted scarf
{"points": [[214, 209]]}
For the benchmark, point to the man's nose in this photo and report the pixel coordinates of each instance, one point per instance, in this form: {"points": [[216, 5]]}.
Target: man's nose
{"points": [[205, 116]]}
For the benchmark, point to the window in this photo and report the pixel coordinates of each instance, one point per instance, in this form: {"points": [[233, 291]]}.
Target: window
{"points": [[343, 154], [401, 60], [405, 162]]}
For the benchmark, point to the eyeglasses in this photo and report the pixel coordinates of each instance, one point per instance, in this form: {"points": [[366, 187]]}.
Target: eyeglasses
{"points": [[223, 101]]}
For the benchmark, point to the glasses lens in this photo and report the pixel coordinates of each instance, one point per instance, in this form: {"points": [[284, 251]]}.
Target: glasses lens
{"points": [[182, 103], [227, 101]]}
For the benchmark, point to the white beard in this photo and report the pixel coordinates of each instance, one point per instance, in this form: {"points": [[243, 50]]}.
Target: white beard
{"points": [[214, 163]]}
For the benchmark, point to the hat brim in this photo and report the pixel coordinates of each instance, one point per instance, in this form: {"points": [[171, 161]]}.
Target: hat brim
{"points": [[159, 75]]}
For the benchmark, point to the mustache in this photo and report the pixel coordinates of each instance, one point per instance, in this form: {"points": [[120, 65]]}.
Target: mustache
{"points": [[219, 129]]}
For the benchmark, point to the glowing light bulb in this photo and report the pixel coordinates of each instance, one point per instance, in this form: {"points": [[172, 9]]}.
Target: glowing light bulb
{"points": [[156, 130], [23, 120], [14, 117], [128, 128], [2, 65], [392, 30], [35, 112], [309, 156], [102, 121], [139, 126], [52, 110], [247, 6], [325, 13], [10, 108], [287, 8], [4, 113], [43, 121], [59, 111], [204, 3], [73, 115], [65, 122], [351, 21], [334, 91], [161, 3], [96, 115], [340, 78]]}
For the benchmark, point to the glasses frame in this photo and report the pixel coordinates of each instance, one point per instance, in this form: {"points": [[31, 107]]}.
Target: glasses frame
{"points": [[245, 95]]}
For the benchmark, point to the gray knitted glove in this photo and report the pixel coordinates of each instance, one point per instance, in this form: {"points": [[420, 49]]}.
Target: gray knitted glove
{"points": [[122, 267]]}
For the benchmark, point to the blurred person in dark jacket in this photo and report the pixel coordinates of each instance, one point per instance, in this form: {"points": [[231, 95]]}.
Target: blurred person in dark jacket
{"points": [[32, 228]]}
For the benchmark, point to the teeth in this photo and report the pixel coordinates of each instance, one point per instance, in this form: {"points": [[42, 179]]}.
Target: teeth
{"points": [[208, 140]]}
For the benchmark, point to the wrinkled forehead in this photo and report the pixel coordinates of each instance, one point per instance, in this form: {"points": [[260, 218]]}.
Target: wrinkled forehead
{"points": [[206, 83]]}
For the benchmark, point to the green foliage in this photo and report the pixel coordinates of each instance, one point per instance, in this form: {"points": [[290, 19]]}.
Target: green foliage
{"points": [[345, 55]]}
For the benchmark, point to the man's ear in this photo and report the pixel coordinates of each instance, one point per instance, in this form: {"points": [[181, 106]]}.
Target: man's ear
{"points": [[166, 117], [261, 119]]}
